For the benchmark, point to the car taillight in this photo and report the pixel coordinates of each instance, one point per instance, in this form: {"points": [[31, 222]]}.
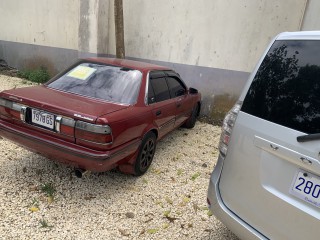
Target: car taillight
{"points": [[227, 127], [64, 125], [93, 132], [11, 108]]}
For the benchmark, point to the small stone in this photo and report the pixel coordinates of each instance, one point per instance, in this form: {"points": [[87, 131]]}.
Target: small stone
{"points": [[204, 165], [33, 188], [124, 232], [130, 215]]}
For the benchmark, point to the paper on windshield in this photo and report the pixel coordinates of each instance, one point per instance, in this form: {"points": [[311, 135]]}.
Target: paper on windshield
{"points": [[81, 72]]}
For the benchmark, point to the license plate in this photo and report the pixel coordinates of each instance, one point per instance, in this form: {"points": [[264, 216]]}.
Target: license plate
{"points": [[306, 186], [43, 119]]}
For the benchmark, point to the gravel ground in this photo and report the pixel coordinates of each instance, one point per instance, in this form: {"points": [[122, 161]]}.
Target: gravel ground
{"points": [[43, 199]]}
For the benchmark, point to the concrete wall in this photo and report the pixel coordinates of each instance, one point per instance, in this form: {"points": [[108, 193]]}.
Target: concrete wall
{"points": [[40, 22], [39, 32], [224, 34], [311, 20], [52, 33], [213, 44], [93, 27]]}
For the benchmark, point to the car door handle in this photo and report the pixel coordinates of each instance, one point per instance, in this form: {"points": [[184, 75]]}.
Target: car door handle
{"points": [[158, 113]]}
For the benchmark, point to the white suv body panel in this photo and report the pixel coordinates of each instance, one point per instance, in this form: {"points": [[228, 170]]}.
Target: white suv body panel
{"points": [[250, 188], [255, 184]]}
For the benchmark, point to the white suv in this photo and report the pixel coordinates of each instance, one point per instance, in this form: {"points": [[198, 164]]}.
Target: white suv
{"points": [[266, 183]]}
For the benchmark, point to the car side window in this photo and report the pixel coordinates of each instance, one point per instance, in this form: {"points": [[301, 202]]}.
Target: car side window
{"points": [[160, 88], [176, 87], [151, 95]]}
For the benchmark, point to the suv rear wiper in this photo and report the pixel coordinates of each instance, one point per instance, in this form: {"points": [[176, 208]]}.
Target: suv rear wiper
{"points": [[309, 137]]}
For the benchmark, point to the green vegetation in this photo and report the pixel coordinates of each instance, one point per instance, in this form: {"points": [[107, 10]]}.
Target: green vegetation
{"points": [[48, 188], [44, 224], [34, 206], [194, 176], [39, 75]]}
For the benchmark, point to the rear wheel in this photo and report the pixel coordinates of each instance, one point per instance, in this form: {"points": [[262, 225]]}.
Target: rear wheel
{"points": [[193, 118], [146, 153]]}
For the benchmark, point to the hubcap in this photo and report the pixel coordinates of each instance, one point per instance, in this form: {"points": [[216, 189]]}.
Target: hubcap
{"points": [[147, 154]]}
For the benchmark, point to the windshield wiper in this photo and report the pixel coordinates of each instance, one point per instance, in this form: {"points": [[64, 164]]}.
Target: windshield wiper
{"points": [[309, 137]]}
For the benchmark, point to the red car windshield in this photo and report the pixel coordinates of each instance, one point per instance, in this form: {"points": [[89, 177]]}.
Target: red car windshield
{"points": [[104, 82]]}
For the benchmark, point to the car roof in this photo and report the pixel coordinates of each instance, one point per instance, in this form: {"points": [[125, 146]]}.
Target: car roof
{"points": [[128, 63], [302, 35]]}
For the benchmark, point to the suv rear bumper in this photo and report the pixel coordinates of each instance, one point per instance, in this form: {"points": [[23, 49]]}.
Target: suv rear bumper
{"points": [[224, 214], [66, 152]]}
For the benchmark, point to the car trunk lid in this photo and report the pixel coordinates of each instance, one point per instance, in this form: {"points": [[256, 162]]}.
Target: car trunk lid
{"points": [[57, 102], [67, 116]]}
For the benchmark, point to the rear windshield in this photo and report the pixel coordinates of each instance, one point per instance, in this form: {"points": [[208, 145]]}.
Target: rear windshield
{"points": [[104, 82], [286, 88]]}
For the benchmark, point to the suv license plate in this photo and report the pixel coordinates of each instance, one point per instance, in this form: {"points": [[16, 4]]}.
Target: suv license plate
{"points": [[306, 186], [43, 119]]}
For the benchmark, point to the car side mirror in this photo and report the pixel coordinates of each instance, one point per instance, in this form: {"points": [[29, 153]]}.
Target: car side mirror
{"points": [[193, 91], [180, 92]]}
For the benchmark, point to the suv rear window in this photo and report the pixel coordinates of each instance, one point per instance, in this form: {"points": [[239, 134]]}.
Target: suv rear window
{"points": [[104, 82], [286, 88]]}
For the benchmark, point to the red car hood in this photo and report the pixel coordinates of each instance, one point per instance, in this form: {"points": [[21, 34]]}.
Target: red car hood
{"points": [[58, 102]]}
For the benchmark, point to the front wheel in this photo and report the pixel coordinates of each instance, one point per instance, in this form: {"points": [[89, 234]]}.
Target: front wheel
{"points": [[146, 153], [193, 118]]}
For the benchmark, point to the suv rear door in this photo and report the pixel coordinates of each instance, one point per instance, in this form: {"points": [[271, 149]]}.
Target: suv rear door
{"points": [[269, 178]]}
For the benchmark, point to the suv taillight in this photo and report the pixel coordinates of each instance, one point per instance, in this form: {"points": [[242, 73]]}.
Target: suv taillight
{"points": [[227, 127], [93, 132]]}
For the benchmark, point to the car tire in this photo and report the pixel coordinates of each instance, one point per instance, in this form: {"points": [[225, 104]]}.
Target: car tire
{"points": [[146, 153], [193, 118]]}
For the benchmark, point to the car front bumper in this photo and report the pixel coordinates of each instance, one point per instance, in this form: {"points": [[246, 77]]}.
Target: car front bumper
{"points": [[66, 152], [223, 213]]}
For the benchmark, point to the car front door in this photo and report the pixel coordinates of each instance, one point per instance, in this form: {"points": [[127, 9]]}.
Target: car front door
{"points": [[183, 102], [164, 108]]}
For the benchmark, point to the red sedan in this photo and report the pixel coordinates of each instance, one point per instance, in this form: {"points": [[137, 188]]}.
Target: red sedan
{"points": [[100, 114]]}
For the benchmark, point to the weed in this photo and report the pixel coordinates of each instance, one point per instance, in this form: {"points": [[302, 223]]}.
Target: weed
{"points": [[166, 213], [34, 206], [194, 176], [44, 224], [39, 75], [35, 203], [152, 231], [49, 189]]}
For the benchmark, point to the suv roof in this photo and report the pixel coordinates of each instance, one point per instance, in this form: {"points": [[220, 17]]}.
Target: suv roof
{"points": [[307, 35]]}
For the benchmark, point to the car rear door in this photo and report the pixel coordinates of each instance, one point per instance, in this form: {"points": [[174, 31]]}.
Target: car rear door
{"points": [[163, 107], [271, 175]]}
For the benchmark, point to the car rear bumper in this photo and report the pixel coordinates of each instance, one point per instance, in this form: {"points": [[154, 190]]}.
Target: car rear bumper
{"points": [[66, 152], [224, 214]]}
